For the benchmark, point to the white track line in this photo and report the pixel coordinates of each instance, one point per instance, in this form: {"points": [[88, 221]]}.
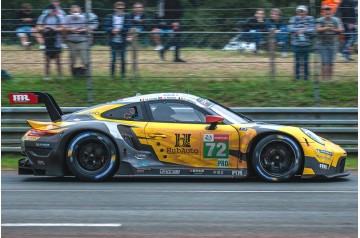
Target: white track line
{"points": [[60, 225], [182, 191]]}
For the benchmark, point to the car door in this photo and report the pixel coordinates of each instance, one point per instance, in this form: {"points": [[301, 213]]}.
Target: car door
{"points": [[178, 133]]}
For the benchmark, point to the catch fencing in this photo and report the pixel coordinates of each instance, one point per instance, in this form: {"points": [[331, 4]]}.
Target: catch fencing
{"points": [[336, 124], [216, 50], [209, 55]]}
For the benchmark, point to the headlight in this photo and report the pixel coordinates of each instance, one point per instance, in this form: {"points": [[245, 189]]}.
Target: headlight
{"points": [[313, 136]]}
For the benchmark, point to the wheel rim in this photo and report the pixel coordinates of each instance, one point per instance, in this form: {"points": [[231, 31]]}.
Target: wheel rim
{"points": [[277, 158], [92, 155]]}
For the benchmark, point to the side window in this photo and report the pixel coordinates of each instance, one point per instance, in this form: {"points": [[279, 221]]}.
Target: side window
{"points": [[127, 112], [175, 112]]}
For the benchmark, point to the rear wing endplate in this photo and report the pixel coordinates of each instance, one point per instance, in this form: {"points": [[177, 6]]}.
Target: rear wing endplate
{"points": [[27, 97]]}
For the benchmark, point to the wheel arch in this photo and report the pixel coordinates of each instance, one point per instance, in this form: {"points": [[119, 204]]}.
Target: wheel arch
{"points": [[75, 133], [258, 138]]}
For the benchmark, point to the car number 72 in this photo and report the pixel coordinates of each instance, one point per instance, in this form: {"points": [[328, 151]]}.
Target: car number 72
{"points": [[216, 149]]}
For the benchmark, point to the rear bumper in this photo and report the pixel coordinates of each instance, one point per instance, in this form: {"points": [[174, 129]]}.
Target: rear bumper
{"points": [[25, 167]]}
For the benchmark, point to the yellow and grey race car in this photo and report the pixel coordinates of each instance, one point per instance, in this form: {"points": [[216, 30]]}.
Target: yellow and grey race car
{"points": [[169, 134]]}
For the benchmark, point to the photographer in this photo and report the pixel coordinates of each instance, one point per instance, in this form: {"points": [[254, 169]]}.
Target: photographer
{"points": [[51, 25]]}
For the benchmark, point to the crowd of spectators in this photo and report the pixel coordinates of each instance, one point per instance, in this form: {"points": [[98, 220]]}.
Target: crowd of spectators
{"points": [[55, 30]]}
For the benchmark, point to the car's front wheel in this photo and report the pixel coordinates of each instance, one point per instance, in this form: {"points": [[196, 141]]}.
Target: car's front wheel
{"points": [[277, 158], [91, 156]]}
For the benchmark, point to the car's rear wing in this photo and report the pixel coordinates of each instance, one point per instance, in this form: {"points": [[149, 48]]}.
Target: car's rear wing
{"points": [[27, 97]]}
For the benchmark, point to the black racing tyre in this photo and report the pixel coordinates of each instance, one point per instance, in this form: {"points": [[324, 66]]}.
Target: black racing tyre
{"points": [[277, 158], [91, 156]]}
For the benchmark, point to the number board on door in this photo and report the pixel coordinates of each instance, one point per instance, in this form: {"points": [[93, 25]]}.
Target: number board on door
{"points": [[216, 146]]}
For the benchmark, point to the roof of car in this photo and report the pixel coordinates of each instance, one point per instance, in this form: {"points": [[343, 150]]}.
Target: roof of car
{"points": [[157, 96]]}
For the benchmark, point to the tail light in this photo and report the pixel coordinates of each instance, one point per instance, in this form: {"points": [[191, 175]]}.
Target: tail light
{"points": [[40, 133]]}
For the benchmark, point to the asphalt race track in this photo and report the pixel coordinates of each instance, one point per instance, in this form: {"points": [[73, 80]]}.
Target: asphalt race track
{"points": [[65, 207]]}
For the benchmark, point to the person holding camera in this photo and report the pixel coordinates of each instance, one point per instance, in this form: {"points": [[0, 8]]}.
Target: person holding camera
{"points": [[51, 25]]}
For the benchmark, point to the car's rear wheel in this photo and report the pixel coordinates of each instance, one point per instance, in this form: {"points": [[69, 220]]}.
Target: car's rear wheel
{"points": [[277, 158], [91, 156]]}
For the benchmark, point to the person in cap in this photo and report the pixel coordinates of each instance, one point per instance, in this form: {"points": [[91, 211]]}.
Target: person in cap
{"points": [[301, 27], [328, 27], [51, 26]]}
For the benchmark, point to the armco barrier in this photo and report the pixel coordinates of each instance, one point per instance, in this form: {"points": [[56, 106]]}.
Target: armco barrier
{"points": [[336, 124]]}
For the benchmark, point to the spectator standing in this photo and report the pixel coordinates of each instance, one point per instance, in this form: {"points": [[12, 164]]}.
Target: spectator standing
{"points": [[348, 12], [140, 20], [169, 14], [328, 28], [60, 12], [278, 26], [51, 26], [76, 27], [255, 25], [26, 26], [301, 28], [116, 26]]}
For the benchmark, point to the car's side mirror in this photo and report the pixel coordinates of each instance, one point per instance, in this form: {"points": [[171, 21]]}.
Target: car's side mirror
{"points": [[213, 121]]}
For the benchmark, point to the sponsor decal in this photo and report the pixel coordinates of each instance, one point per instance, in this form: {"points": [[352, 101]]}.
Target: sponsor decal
{"points": [[182, 145], [182, 151], [204, 102], [197, 171], [140, 171], [323, 166], [324, 152], [143, 163], [208, 137], [223, 163], [182, 140], [216, 146], [218, 172], [148, 99], [140, 156], [169, 171], [38, 144], [23, 98], [237, 173], [170, 94], [89, 113], [243, 129]]}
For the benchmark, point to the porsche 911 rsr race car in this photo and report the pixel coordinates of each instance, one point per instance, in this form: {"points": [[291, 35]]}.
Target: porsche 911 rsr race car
{"points": [[169, 134]]}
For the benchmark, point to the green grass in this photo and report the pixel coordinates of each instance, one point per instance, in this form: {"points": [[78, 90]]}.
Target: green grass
{"points": [[9, 161], [257, 92], [229, 77]]}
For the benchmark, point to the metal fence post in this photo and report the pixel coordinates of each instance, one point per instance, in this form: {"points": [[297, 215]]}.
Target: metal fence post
{"points": [[88, 68], [316, 74], [272, 52], [134, 50]]}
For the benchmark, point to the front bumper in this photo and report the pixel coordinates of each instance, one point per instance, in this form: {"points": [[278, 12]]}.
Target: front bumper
{"points": [[332, 172]]}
